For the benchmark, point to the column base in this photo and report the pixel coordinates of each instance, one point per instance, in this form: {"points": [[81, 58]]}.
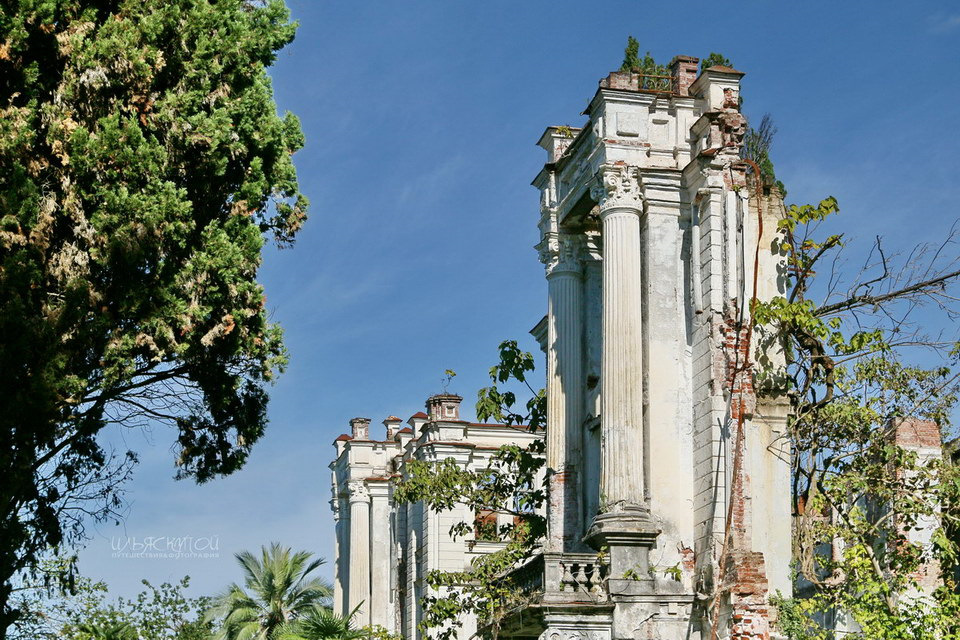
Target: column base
{"points": [[628, 535]]}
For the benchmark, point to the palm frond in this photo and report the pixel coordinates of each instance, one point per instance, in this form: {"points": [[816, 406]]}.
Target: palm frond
{"points": [[278, 593]]}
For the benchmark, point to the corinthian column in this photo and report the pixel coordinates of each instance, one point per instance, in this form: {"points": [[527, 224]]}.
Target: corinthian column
{"points": [[560, 254], [624, 524], [359, 579], [621, 416]]}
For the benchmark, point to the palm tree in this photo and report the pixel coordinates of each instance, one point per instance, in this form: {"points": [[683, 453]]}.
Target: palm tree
{"points": [[277, 590], [320, 623], [108, 631]]}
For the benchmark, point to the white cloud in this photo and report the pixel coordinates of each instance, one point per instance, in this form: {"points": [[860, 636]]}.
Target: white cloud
{"points": [[945, 24]]}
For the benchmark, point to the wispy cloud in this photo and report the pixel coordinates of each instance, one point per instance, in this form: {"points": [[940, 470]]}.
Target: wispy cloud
{"points": [[944, 24], [430, 185]]}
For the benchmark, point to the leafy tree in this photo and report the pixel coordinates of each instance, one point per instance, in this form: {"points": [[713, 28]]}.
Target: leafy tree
{"points": [[157, 613], [631, 55], [50, 596], [715, 60], [508, 486], [645, 66], [377, 632], [850, 363], [106, 631], [165, 613], [277, 590], [142, 162], [756, 147]]}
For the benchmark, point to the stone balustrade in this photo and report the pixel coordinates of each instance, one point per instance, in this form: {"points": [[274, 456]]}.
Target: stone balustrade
{"points": [[585, 576]]}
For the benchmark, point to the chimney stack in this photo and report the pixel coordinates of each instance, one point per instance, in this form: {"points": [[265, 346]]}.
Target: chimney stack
{"points": [[916, 435], [683, 69], [360, 427], [444, 406], [393, 426]]}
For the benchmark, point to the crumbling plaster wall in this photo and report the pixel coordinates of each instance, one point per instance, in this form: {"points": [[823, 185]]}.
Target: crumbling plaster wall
{"points": [[715, 466]]}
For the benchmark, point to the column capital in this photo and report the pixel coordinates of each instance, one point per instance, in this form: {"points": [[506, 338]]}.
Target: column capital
{"points": [[357, 490], [561, 253], [618, 186]]}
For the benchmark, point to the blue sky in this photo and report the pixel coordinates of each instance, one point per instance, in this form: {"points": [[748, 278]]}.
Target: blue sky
{"points": [[421, 120]]}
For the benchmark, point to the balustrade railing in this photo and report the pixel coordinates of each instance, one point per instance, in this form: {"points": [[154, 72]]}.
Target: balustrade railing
{"points": [[528, 577], [565, 576], [584, 575], [655, 83]]}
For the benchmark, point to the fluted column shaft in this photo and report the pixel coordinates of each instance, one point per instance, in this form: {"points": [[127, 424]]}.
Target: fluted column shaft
{"points": [[564, 395], [359, 580], [340, 554], [621, 422]]}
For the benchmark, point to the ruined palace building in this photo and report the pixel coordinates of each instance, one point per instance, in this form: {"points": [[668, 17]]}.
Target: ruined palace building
{"points": [[655, 236]]}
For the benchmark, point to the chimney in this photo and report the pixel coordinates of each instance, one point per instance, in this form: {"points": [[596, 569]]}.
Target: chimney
{"points": [[916, 435], [393, 426], [923, 438], [683, 69], [719, 87], [444, 406], [360, 428], [416, 421], [623, 80]]}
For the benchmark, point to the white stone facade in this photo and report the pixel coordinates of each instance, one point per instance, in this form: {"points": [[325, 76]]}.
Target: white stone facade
{"points": [[385, 550], [655, 237]]}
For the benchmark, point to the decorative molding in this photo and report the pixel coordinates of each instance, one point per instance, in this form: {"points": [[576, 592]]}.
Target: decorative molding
{"points": [[561, 252], [560, 633], [618, 185], [546, 202], [358, 491]]}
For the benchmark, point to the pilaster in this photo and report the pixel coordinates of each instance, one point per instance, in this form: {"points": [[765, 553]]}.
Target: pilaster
{"points": [[381, 606], [666, 420]]}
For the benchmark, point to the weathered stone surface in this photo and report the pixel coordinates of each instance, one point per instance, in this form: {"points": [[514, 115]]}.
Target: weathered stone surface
{"points": [[659, 454], [385, 550], [656, 181]]}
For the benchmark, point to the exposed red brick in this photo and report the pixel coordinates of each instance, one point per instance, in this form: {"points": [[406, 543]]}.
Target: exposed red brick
{"points": [[688, 558], [684, 72], [913, 433], [743, 581]]}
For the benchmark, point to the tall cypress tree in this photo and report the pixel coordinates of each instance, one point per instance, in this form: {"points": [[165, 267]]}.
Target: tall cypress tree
{"points": [[142, 166]]}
